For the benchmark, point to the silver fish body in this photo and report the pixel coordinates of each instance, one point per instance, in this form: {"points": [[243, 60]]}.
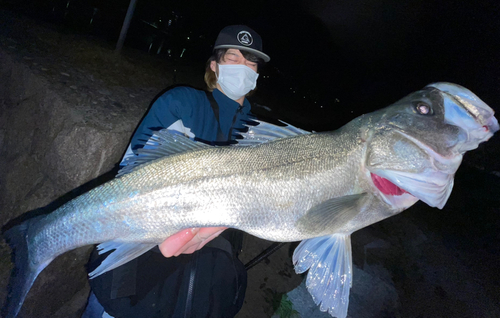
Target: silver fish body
{"points": [[262, 190], [288, 189]]}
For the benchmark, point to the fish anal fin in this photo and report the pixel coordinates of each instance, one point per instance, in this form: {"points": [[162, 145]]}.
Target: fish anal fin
{"points": [[326, 217], [329, 280], [123, 253]]}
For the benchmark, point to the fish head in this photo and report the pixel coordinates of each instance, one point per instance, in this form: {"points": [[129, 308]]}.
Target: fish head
{"points": [[464, 109], [416, 145]]}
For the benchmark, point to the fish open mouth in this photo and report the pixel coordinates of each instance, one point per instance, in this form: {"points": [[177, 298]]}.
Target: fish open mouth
{"points": [[392, 194], [432, 187], [385, 186]]}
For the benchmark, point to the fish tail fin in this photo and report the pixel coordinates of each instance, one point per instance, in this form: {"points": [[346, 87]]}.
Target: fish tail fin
{"points": [[23, 275], [329, 261]]}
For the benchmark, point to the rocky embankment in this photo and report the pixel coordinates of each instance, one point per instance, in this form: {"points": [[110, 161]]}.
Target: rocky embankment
{"points": [[68, 106]]}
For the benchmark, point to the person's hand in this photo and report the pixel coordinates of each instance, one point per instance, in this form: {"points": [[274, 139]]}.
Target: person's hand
{"points": [[189, 240]]}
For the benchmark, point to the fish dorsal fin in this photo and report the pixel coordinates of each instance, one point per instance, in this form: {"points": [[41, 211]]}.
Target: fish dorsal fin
{"points": [[329, 261], [163, 143], [123, 253], [265, 132], [326, 216]]}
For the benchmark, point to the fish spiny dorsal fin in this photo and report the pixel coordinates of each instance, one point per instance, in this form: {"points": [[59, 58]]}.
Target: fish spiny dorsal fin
{"points": [[265, 132], [163, 143], [329, 261]]}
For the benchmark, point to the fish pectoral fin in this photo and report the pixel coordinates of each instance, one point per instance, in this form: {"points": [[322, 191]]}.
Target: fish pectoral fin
{"points": [[329, 261], [123, 253], [323, 218]]}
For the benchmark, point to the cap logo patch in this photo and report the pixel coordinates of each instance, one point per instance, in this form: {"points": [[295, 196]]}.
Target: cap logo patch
{"points": [[245, 38]]}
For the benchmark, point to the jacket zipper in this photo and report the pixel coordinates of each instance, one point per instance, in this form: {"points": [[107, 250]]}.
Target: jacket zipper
{"points": [[192, 276]]}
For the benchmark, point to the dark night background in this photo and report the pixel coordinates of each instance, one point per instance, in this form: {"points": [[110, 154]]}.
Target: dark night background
{"points": [[330, 60]]}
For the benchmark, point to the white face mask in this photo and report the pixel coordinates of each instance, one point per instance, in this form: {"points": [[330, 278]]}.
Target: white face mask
{"points": [[236, 80]]}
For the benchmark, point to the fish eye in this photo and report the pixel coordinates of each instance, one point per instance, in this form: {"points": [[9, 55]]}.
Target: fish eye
{"points": [[423, 108]]}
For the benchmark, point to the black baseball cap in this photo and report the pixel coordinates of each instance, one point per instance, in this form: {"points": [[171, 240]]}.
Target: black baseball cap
{"points": [[243, 38]]}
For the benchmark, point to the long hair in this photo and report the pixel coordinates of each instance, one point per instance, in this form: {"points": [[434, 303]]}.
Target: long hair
{"points": [[217, 56]]}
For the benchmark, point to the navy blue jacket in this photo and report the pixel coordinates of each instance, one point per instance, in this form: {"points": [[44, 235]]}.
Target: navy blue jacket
{"points": [[188, 111]]}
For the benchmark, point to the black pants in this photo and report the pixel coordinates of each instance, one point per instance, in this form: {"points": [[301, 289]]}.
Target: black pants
{"points": [[208, 283]]}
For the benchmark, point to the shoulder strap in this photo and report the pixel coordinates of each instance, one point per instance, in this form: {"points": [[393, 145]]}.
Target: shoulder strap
{"points": [[215, 108]]}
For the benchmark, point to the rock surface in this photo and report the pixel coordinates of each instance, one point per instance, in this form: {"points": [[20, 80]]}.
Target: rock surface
{"points": [[56, 136]]}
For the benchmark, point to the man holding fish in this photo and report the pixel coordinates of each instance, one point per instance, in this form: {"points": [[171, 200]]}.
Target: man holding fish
{"points": [[212, 117]]}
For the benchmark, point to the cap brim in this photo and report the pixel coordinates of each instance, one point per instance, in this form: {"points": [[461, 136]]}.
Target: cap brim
{"points": [[263, 56]]}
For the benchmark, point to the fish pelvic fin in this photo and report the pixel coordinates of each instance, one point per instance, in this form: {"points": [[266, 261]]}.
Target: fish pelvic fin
{"points": [[329, 261], [123, 253], [325, 217], [24, 272]]}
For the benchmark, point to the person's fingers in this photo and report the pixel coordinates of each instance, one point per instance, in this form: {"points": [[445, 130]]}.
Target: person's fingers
{"points": [[187, 249], [204, 236], [174, 243], [189, 240]]}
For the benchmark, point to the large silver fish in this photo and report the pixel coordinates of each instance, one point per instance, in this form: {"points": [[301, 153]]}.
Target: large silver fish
{"points": [[317, 187]]}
